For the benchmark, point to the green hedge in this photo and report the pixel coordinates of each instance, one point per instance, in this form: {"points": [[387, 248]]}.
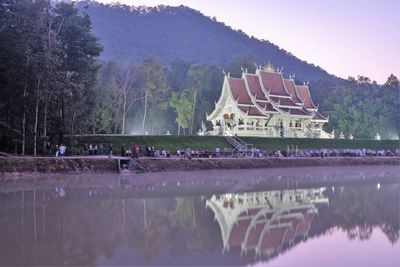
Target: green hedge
{"points": [[308, 143], [173, 143]]}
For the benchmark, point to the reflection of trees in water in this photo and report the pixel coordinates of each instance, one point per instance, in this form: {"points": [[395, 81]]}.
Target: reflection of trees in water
{"points": [[359, 209], [191, 226], [362, 232], [183, 223], [78, 229]]}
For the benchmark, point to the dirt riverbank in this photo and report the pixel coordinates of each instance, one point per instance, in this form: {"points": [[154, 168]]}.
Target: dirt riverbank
{"points": [[16, 166], [157, 165]]}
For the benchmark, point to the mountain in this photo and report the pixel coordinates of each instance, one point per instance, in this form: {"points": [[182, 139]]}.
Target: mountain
{"points": [[131, 34]]}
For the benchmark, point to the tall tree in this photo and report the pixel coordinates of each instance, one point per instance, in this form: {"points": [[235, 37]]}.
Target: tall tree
{"points": [[125, 83], [80, 68], [106, 105], [204, 83], [155, 91], [183, 106]]}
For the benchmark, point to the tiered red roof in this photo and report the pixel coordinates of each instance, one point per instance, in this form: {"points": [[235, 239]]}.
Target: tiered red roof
{"points": [[304, 225], [284, 101], [275, 85], [305, 97], [298, 112], [254, 235], [252, 212], [318, 116], [238, 232], [291, 88], [255, 87], [267, 91], [239, 92], [273, 82], [291, 232], [274, 238], [266, 106], [278, 231], [251, 110]]}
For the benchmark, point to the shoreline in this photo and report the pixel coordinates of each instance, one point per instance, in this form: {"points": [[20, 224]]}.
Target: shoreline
{"points": [[208, 182], [13, 167], [161, 165]]}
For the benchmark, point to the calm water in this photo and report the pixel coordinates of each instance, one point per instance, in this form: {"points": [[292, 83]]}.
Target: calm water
{"points": [[205, 218]]}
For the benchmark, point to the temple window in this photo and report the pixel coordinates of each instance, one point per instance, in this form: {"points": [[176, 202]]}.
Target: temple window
{"points": [[290, 124], [241, 122]]}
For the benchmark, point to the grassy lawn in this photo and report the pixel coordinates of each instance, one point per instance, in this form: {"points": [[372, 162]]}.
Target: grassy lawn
{"points": [[174, 143], [171, 143]]}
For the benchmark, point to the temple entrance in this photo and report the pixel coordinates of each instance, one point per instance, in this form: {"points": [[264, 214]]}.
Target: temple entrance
{"points": [[229, 120]]}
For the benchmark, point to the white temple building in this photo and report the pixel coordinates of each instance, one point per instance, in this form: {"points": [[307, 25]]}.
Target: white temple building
{"points": [[264, 104]]}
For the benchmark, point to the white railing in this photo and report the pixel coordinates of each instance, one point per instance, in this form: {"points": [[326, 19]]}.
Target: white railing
{"points": [[241, 148]]}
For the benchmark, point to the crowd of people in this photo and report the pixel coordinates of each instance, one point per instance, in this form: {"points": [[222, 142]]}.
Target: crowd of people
{"points": [[151, 151], [93, 149], [348, 152], [57, 150], [136, 151]]}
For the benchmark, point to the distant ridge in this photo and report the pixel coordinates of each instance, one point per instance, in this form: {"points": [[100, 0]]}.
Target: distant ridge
{"points": [[131, 34]]}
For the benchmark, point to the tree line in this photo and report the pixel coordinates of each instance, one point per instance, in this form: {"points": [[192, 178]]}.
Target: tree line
{"points": [[153, 99], [48, 73], [362, 108], [53, 84]]}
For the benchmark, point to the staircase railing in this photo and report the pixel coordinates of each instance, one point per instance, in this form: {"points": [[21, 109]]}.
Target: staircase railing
{"points": [[241, 148]]}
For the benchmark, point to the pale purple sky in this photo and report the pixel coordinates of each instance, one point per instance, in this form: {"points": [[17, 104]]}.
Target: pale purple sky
{"points": [[336, 249], [346, 38]]}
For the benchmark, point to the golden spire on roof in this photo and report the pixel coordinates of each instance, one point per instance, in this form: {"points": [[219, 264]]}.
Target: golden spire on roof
{"points": [[269, 67]]}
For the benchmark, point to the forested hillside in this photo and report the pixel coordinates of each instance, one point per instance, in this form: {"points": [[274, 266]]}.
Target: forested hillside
{"points": [[130, 35]]}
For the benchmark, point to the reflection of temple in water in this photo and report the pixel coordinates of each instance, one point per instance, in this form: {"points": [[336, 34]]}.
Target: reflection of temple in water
{"points": [[265, 222]]}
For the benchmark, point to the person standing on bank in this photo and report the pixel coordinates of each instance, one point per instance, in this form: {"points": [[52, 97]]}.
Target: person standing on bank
{"points": [[111, 149], [123, 150], [48, 149], [62, 149]]}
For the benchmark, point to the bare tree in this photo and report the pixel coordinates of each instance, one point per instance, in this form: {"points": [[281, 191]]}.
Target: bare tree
{"points": [[126, 82]]}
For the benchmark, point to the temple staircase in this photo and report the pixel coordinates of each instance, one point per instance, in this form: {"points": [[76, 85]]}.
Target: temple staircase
{"points": [[127, 165], [241, 149]]}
